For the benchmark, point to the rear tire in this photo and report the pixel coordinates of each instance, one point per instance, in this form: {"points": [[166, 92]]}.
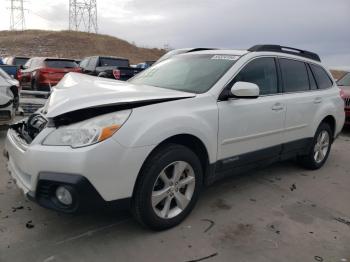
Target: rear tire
{"points": [[168, 187], [319, 149]]}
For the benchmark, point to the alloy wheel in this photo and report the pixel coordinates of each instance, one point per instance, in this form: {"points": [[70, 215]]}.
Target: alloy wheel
{"points": [[173, 189], [321, 147]]}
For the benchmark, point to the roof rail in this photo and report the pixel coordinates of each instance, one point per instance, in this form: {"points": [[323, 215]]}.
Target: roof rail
{"points": [[200, 49], [286, 50]]}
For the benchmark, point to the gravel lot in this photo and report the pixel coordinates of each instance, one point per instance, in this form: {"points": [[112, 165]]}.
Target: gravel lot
{"points": [[282, 213]]}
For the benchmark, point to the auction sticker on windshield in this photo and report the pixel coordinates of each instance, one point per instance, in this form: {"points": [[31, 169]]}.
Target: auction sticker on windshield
{"points": [[225, 57]]}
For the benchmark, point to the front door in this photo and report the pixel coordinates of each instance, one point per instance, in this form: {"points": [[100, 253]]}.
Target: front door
{"points": [[251, 129]]}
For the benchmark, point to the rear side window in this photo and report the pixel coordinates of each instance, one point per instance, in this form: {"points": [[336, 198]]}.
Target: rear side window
{"points": [[294, 75], [322, 78], [52, 63], [261, 71], [313, 84]]}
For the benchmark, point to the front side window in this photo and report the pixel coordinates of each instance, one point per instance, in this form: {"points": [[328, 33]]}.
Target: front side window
{"points": [[261, 71], [322, 78], [195, 73], [294, 75]]}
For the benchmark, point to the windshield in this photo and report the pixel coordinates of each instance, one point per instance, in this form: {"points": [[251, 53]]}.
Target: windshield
{"points": [[20, 61], [345, 80], [106, 61], [190, 73], [57, 63]]}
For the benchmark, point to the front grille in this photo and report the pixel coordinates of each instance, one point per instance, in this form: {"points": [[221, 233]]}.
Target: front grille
{"points": [[44, 191], [347, 101]]}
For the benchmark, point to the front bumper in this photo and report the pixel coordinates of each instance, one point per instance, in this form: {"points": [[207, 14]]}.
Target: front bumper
{"points": [[85, 196], [99, 174]]}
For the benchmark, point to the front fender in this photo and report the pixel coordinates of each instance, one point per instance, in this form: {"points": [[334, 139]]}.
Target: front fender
{"points": [[153, 124]]}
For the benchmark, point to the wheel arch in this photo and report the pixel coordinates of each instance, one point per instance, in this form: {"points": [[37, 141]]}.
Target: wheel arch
{"points": [[188, 140], [331, 121]]}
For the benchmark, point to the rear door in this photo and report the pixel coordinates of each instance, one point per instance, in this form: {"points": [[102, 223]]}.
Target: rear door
{"points": [[302, 99], [250, 130]]}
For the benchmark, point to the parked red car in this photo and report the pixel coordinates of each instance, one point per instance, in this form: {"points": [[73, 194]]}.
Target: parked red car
{"points": [[344, 84], [42, 73]]}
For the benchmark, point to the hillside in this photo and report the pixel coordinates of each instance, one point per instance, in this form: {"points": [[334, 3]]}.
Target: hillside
{"points": [[71, 44], [337, 74]]}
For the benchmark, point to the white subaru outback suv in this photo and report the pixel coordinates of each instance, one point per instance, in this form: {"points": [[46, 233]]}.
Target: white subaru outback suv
{"points": [[153, 142]]}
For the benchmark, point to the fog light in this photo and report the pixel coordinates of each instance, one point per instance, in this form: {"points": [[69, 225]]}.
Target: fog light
{"points": [[64, 196]]}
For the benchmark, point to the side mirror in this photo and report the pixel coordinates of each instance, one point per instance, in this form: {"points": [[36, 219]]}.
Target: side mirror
{"points": [[245, 90]]}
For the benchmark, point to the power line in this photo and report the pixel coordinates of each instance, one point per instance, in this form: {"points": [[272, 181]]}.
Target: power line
{"points": [[83, 15]]}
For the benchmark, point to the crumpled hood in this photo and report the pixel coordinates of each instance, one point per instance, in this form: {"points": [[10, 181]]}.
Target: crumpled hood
{"points": [[78, 91]]}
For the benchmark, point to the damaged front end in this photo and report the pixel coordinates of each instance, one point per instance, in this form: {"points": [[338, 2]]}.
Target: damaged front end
{"points": [[28, 128]]}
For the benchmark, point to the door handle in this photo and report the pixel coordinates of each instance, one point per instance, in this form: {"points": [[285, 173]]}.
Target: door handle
{"points": [[277, 107], [318, 100]]}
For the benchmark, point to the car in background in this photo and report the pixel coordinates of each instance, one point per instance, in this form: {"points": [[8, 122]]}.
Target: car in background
{"points": [[344, 84], [78, 61], [9, 97], [16, 60], [145, 65], [10, 70], [109, 67], [42, 73]]}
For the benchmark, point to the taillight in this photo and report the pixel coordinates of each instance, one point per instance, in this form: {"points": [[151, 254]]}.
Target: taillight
{"points": [[116, 73]]}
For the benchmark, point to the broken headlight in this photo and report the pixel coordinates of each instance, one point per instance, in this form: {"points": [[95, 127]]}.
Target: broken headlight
{"points": [[89, 131]]}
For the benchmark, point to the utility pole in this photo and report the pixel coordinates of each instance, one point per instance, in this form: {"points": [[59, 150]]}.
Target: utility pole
{"points": [[83, 15], [17, 20]]}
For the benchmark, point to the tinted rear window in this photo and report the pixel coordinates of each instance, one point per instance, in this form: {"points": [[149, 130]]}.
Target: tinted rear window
{"points": [[20, 61], [294, 75], [106, 61], [322, 78], [60, 63]]}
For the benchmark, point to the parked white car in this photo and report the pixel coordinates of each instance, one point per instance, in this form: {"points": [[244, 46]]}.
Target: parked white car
{"points": [[153, 142], [9, 98]]}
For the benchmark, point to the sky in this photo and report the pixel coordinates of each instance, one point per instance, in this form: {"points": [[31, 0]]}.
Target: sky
{"points": [[321, 26]]}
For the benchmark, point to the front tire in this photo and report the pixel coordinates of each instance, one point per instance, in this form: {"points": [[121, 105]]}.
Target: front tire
{"points": [[320, 148], [168, 187]]}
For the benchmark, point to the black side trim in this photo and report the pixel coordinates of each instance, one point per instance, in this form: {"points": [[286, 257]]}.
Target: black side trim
{"points": [[86, 113], [248, 158], [85, 196], [257, 159]]}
